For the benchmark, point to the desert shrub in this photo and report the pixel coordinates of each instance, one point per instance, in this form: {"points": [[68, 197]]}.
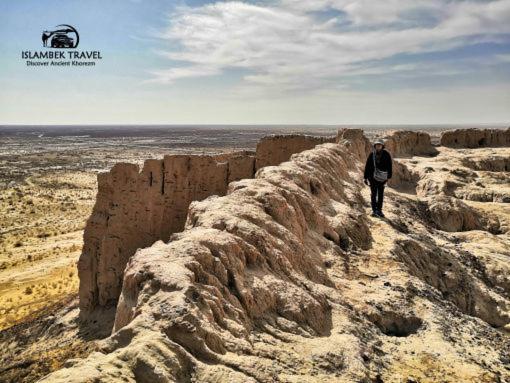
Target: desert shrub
{"points": [[28, 290]]}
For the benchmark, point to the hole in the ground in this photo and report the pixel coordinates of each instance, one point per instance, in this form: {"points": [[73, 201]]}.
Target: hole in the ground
{"points": [[396, 324], [315, 187], [344, 243]]}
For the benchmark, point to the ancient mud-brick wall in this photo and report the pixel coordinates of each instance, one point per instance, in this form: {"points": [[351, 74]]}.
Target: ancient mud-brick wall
{"points": [[475, 138], [357, 142], [409, 143], [273, 150], [134, 209]]}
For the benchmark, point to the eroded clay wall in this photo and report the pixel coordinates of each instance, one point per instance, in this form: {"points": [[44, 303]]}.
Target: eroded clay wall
{"points": [[475, 138], [134, 209], [356, 141], [275, 149], [409, 143]]}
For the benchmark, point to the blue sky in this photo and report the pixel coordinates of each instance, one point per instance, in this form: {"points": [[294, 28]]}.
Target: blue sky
{"points": [[262, 62]]}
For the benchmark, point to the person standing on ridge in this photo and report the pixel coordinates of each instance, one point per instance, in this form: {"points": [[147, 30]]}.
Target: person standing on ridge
{"points": [[378, 171]]}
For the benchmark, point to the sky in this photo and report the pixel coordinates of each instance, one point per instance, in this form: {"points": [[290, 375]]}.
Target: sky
{"points": [[261, 62]]}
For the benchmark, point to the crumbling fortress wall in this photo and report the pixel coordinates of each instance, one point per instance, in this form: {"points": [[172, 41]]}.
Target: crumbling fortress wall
{"points": [[273, 150], [409, 143], [287, 277], [134, 209], [475, 138]]}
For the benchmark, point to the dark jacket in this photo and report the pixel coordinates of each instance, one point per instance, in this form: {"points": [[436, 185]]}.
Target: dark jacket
{"points": [[384, 164]]}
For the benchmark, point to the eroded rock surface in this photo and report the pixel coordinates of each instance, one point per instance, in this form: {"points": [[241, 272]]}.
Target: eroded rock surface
{"points": [[408, 143], [275, 149], [287, 278], [136, 208], [475, 138]]}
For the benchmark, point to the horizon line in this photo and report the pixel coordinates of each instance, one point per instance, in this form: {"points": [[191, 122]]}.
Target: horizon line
{"points": [[503, 124]]}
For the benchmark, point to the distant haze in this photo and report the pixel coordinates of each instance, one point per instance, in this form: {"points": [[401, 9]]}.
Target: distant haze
{"points": [[182, 136]]}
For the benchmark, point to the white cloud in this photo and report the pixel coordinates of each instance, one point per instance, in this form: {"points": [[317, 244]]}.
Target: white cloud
{"points": [[503, 58], [369, 12], [295, 45]]}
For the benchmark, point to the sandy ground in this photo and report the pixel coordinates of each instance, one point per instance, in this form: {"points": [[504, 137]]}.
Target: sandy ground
{"points": [[40, 241], [46, 196]]}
